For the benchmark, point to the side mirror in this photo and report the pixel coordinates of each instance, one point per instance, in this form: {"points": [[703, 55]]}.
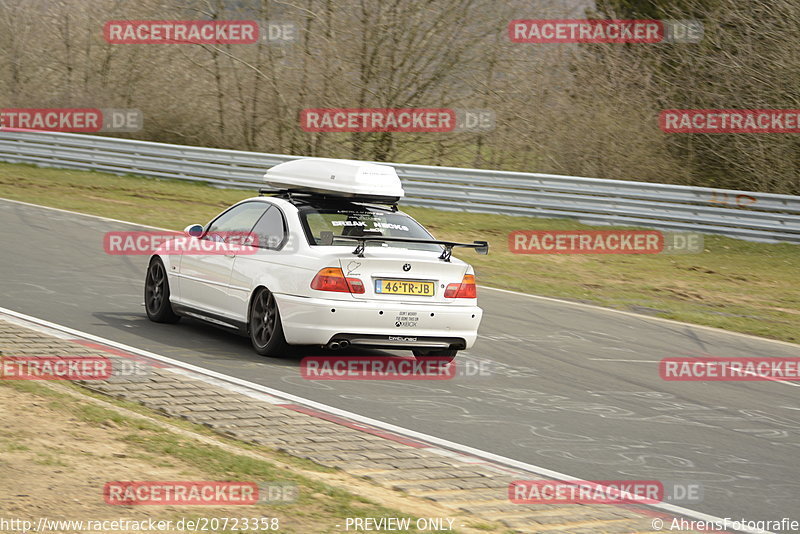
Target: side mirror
{"points": [[194, 230], [326, 238], [482, 248]]}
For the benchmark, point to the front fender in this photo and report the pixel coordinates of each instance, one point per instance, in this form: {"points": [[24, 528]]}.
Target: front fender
{"points": [[172, 266]]}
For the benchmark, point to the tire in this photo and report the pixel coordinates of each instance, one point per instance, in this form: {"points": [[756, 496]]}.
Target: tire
{"points": [[156, 294], [264, 325], [445, 355]]}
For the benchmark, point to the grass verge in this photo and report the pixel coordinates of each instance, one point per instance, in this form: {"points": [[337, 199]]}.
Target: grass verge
{"points": [[734, 285], [69, 447]]}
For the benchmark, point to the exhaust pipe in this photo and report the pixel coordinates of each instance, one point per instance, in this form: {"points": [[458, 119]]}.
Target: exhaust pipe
{"points": [[338, 344]]}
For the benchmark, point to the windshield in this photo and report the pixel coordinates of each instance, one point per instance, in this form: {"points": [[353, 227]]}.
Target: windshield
{"points": [[362, 221]]}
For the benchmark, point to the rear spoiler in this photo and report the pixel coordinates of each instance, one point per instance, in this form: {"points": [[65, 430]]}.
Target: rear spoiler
{"points": [[481, 247]]}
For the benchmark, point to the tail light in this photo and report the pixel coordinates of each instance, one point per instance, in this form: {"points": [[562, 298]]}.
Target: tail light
{"points": [[333, 279], [465, 290]]}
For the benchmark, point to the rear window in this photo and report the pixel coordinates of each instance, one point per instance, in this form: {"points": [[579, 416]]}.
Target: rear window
{"points": [[356, 222]]}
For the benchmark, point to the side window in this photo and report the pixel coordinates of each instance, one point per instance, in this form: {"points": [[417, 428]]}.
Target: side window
{"points": [[239, 219], [270, 229]]}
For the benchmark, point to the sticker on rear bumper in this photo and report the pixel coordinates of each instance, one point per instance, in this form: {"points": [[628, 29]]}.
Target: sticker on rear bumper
{"points": [[406, 319]]}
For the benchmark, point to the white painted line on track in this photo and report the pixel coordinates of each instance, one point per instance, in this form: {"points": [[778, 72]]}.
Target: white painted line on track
{"points": [[84, 214], [642, 317], [225, 381], [767, 379], [625, 361]]}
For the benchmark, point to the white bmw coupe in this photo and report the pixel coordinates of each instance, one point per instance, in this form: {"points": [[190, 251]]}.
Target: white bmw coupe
{"points": [[334, 264]]}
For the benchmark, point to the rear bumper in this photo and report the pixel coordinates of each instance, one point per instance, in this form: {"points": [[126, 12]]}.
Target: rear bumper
{"points": [[400, 341], [313, 321]]}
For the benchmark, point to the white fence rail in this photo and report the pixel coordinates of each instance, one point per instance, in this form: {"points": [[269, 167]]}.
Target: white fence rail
{"points": [[743, 214]]}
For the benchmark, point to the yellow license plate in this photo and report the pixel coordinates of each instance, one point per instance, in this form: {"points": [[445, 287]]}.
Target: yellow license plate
{"points": [[404, 287]]}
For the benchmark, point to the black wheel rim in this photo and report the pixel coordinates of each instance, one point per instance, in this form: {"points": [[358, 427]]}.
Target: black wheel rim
{"points": [[156, 287], [263, 319]]}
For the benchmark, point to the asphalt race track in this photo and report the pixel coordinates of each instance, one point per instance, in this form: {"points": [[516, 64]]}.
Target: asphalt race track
{"points": [[570, 388]]}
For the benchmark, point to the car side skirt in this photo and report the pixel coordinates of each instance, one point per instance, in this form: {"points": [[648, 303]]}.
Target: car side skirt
{"points": [[213, 319]]}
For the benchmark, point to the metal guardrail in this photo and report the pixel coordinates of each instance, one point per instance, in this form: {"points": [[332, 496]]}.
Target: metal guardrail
{"points": [[743, 214]]}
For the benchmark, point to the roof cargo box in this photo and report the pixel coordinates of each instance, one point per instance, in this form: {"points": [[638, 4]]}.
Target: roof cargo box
{"points": [[337, 177]]}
